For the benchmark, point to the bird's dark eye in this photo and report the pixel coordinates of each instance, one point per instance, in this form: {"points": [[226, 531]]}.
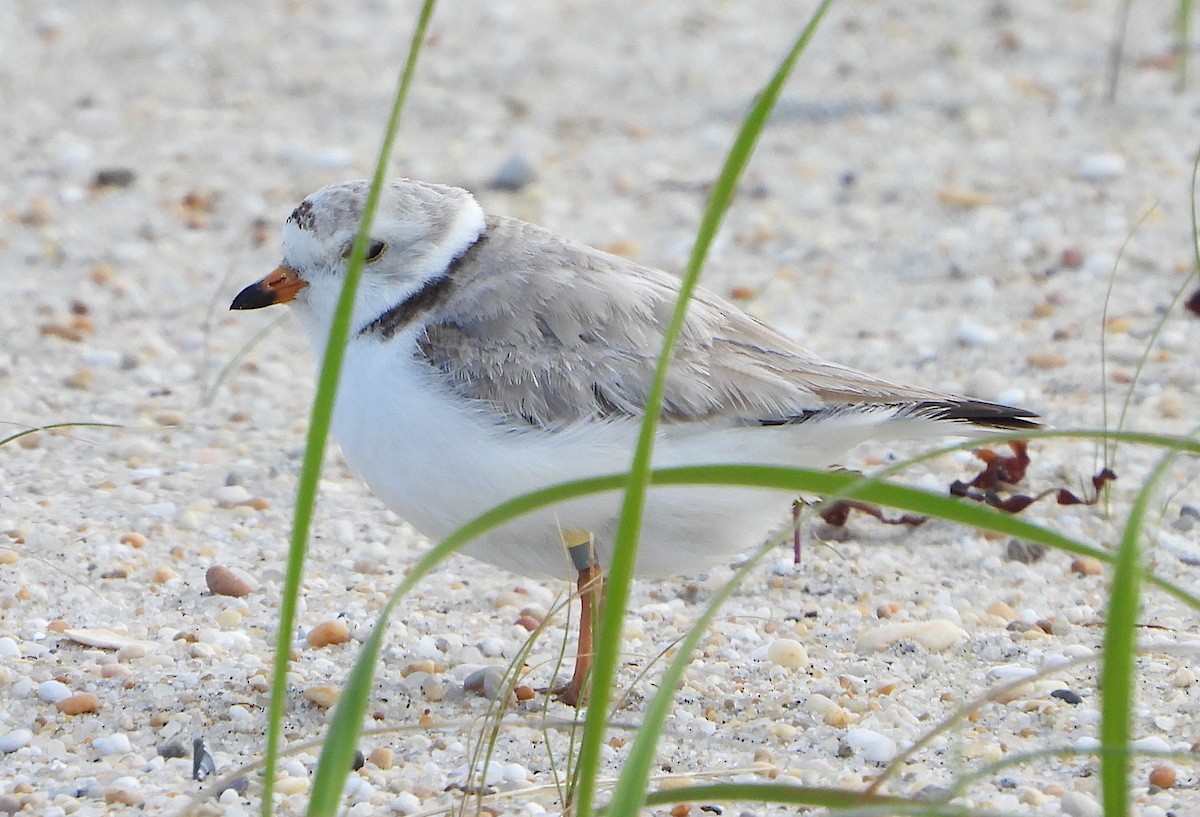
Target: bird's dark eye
{"points": [[374, 250]]}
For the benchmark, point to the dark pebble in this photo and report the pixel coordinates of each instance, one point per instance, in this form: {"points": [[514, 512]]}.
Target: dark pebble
{"points": [[238, 784], [114, 177], [1067, 695], [359, 761], [1018, 550], [172, 750], [515, 172]]}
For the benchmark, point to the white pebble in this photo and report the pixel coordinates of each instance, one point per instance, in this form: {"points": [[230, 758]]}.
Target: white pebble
{"points": [[230, 496], [1078, 804], [1152, 744], [1010, 672], [871, 745], [935, 635], [405, 803], [1013, 396], [980, 288], [358, 788], [515, 774], [53, 691], [14, 740], [975, 334], [1102, 167], [9, 648], [787, 652], [492, 647], [114, 744]]}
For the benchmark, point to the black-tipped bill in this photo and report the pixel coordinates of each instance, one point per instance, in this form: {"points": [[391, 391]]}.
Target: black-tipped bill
{"points": [[281, 286]]}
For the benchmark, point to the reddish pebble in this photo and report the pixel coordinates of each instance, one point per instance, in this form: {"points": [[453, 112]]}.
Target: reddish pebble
{"points": [[78, 704], [134, 540], [1162, 777], [1071, 258], [224, 582], [525, 693], [1087, 566], [528, 622], [327, 633]]}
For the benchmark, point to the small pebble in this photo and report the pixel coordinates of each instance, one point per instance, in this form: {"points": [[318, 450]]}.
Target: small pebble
{"points": [[975, 334], [432, 690], [486, 681], [935, 635], [1152, 744], [1047, 360], [1027, 553], [328, 633], [122, 796], [114, 744], [1078, 804], [1073, 698], [1007, 673], [787, 652], [1102, 167], [9, 648], [229, 618], [114, 177], [223, 581], [381, 757], [405, 803], [53, 691], [1002, 610], [515, 172], [162, 575], [871, 745], [131, 652], [14, 740], [230, 496], [238, 786], [171, 750], [1162, 777], [1087, 566], [79, 704], [525, 693], [424, 665], [322, 695]]}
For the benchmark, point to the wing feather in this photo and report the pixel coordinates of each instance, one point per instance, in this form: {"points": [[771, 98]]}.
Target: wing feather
{"points": [[553, 332]]}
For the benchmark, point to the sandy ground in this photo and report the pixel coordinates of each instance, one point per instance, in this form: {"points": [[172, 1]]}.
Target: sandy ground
{"points": [[941, 197]]}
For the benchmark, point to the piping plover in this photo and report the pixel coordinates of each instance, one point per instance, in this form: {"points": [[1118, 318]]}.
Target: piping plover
{"points": [[489, 357]]}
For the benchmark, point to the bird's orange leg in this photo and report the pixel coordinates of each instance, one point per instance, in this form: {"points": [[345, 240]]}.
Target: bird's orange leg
{"points": [[590, 584]]}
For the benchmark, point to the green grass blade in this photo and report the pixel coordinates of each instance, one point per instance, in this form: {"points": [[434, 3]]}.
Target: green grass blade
{"points": [[1117, 669], [314, 455], [38, 429], [842, 801], [1183, 42], [604, 667]]}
